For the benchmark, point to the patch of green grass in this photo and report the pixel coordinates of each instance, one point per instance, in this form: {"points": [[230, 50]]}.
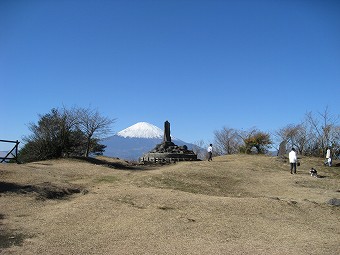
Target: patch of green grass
{"points": [[106, 179], [208, 184], [172, 183]]}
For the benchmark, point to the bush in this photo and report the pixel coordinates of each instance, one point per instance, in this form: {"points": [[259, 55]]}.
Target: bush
{"points": [[57, 134]]}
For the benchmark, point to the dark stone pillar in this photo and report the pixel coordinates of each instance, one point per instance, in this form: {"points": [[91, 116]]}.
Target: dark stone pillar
{"points": [[167, 137]]}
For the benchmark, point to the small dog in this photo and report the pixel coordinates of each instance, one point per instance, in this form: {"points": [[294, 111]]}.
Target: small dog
{"points": [[313, 173]]}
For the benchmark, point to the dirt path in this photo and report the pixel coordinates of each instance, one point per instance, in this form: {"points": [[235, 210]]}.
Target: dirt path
{"points": [[233, 205]]}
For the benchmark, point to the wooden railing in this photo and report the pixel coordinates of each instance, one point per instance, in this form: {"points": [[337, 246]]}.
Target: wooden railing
{"points": [[13, 153]]}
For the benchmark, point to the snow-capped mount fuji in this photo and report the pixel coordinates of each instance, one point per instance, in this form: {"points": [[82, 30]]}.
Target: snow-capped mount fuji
{"points": [[136, 140], [141, 130]]}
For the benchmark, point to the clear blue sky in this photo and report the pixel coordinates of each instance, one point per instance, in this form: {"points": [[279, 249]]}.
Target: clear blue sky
{"points": [[201, 64]]}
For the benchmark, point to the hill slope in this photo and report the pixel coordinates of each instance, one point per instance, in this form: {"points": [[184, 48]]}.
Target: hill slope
{"points": [[234, 205]]}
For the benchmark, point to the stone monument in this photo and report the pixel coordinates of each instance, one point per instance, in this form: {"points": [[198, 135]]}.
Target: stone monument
{"points": [[167, 151], [282, 149], [167, 137]]}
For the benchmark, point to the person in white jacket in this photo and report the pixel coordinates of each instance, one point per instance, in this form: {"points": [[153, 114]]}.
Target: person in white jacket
{"points": [[328, 157], [292, 161], [210, 152]]}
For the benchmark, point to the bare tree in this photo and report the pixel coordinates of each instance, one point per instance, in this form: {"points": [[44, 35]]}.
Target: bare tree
{"points": [[295, 135], [335, 141], [322, 127], [93, 125], [227, 141]]}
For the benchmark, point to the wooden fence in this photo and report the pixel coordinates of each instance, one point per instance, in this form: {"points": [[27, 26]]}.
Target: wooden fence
{"points": [[13, 153]]}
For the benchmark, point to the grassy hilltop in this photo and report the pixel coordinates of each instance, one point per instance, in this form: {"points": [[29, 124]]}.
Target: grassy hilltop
{"points": [[237, 204]]}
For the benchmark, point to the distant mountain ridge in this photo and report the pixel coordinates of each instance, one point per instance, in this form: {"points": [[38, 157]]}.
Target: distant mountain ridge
{"points": [[136, 140]]}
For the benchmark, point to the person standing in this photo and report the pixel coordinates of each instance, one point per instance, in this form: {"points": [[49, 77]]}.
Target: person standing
{"points": [[292, 161], [328, 153], [210, 152], [328, 157]]}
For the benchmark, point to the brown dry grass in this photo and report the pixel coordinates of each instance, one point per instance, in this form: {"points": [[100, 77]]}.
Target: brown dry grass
{"points": [[234, 205]]}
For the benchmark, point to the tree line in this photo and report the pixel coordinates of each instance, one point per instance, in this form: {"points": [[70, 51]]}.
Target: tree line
{"points": [[77, 132], [312, 137], [66, 133]]}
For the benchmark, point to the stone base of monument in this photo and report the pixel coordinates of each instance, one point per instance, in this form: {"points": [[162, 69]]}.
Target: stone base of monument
{"points": [[167, 157], [168, 152]]}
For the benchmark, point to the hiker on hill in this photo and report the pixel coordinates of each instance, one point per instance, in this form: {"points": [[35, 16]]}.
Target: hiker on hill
{"points": [[328, 157], [210, 152], [292, 161]]}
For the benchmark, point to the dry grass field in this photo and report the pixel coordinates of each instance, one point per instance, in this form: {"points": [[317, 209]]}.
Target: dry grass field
{"points": [[239, 204]]}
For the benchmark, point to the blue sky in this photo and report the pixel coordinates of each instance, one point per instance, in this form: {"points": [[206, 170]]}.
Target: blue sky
{"points": [[201, 64]]}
